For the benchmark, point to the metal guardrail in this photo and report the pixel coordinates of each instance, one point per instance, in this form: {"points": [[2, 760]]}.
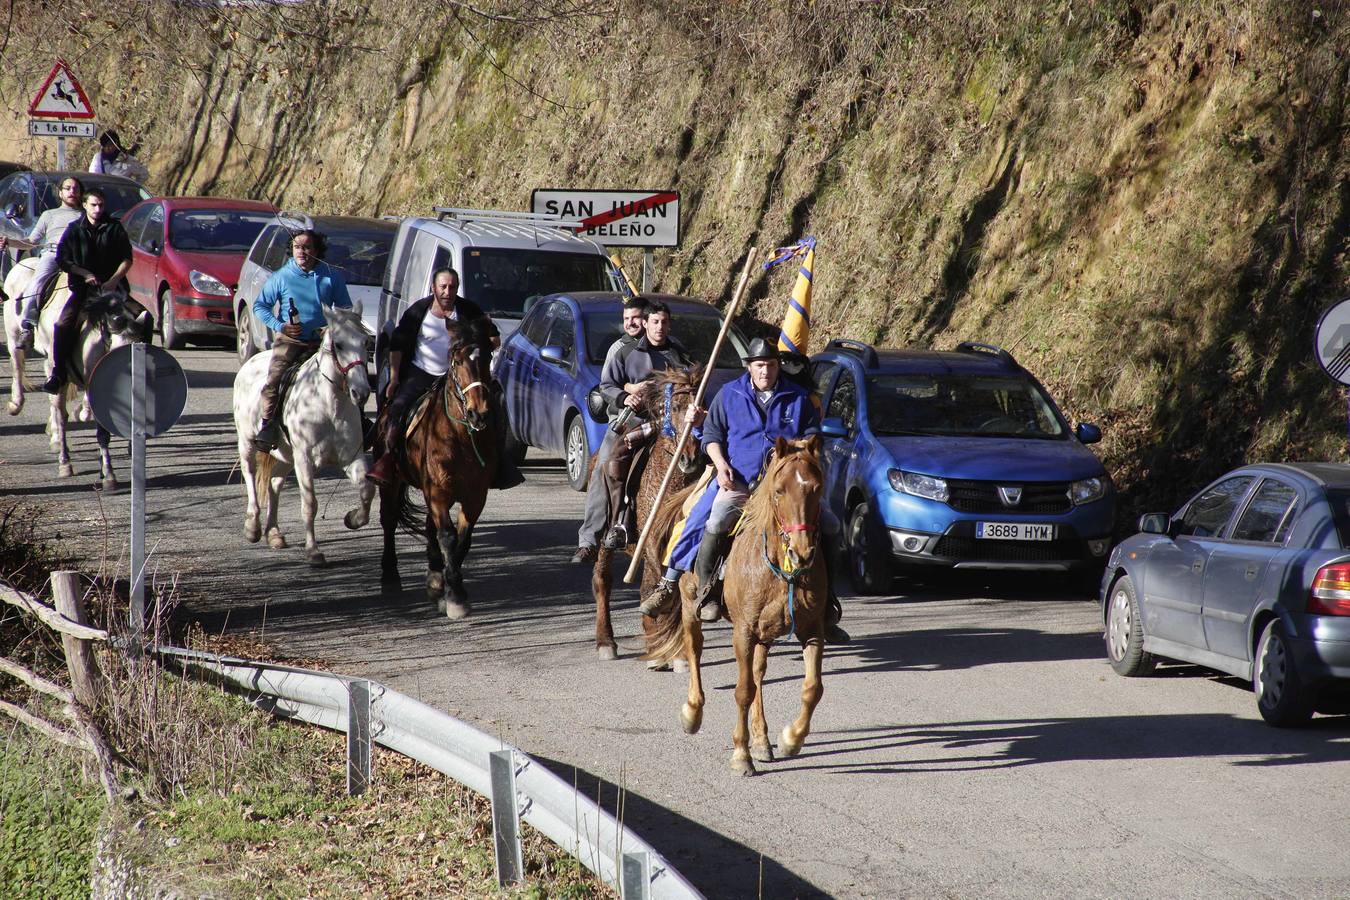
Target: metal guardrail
{"points": [[555, 808]]}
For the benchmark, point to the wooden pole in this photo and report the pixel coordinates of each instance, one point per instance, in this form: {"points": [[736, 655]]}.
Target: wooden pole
{"points": [[84, 678], [688, 427]]}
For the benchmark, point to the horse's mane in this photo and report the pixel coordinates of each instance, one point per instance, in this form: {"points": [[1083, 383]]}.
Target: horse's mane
{"points": [[471, 331], [653, 395], [758, 513]]}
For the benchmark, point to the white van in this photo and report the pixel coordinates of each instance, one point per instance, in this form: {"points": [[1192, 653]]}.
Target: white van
{"points": [[505, 261]]}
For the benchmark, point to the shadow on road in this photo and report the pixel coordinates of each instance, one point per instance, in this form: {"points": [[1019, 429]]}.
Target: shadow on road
{"points": [[715, 864], [1010, 743]]}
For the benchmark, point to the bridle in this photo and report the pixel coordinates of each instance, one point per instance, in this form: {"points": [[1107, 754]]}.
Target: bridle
{"points": [[344, 372], [462, 396], [793, 566]]}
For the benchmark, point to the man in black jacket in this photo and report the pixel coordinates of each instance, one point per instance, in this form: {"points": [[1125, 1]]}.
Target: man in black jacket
{"points": [[419, 353], [95, 253]]}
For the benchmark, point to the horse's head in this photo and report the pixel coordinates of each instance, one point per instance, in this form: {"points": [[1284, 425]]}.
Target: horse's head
{"points": [[122, 320], [794, 482], [470, 374], [343, 348], [667, 398]]}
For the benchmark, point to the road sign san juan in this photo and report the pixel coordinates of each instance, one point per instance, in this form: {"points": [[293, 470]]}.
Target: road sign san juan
{"points": [[616, 218]]}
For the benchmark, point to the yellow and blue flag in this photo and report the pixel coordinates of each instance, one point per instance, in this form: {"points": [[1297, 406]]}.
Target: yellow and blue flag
{"points": [[796, 331]]}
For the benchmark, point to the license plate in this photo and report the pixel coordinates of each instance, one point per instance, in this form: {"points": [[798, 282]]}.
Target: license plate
{"points": [[1014, 531]]}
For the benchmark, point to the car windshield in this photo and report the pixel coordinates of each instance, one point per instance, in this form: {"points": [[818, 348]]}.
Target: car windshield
{"points": [[500, 280], [121, 197], [696, 331], [360, 256], [216, 230], [965, 405]]}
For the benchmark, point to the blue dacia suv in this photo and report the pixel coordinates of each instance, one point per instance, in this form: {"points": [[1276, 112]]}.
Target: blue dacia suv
{"points": [[956, 460]]}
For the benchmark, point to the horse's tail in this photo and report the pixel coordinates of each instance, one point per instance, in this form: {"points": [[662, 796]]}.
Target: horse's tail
{"points": [[263, 476], [412, 516], [665, 636]]}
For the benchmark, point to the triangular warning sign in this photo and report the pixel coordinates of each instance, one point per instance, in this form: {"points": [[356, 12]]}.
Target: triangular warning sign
{"points": [[61, 96]]}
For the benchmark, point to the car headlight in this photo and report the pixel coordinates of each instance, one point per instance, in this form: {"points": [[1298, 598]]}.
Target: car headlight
{"points": [[918, 485], [1087, 490], [207, 284]]}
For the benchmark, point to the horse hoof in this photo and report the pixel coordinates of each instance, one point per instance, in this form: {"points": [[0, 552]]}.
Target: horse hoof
{"points": [[658, 665], [316, 558], [65, 471], [691, 719], [14, 408], [456, 610], [606, 653], [435, 583], [276, 541], [108, 485], [391, 581], [679, 665], [86, 414], [252, 532], [761, 752], [354, 519], [787, 745], [742, 765]]}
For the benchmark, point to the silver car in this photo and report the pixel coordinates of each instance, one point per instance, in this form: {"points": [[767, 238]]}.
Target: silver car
{"points": [[1250, 577], [358, 248]]}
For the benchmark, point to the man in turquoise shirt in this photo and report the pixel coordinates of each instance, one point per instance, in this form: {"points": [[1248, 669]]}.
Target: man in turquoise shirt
{"points": [[291, 304]]}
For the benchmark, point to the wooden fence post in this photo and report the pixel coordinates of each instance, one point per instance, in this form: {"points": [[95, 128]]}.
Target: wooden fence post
{"points": [[84, 676]]}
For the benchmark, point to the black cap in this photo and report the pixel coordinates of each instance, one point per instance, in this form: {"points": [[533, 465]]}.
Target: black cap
{"points": [[759, 349]]}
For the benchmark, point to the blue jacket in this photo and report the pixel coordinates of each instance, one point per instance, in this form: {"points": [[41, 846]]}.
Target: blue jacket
{"points": [[308, 292], [747, 431]]}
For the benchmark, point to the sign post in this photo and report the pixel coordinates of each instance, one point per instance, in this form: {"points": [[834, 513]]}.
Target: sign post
{"points": [[646, 219], [137, 391], [61, 98]]}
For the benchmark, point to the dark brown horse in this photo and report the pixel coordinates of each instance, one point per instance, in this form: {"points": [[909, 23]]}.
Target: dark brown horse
{"points": [[774, 585], [667, 397], [451, 455]]}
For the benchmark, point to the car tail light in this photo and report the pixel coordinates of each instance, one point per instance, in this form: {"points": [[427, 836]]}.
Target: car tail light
{"points": [[1330, 595]]}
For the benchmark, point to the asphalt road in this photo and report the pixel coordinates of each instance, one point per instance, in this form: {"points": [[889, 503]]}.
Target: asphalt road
{"points": [[972, 741]]}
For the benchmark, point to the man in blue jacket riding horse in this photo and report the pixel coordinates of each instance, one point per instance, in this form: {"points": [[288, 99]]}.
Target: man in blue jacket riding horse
{"points": [[746, 418]]}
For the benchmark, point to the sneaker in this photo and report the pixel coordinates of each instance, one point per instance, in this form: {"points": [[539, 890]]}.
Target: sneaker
{"points": [[660, 596], [584, 554], [616, 538]]}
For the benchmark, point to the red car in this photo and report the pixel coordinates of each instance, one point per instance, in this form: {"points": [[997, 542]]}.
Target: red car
{"points": [[186, 255]]}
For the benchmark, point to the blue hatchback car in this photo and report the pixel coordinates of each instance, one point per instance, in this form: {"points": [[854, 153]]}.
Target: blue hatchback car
{"points": [[956, 460], [1251, 577], [549, 365]]}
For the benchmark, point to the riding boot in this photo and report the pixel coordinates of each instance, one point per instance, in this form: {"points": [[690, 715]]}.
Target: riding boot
{"points": [[63, 336], [508, 473], [269, 432], [710, 554], [613, 474], [385, 470], [835, 610]]}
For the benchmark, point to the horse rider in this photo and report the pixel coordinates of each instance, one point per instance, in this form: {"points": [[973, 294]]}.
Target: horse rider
{"points": [[419, 354], [629, 370], [597, 514], [746, 417], [298, 291], [114, 159], [45, 237], [95, 253]]}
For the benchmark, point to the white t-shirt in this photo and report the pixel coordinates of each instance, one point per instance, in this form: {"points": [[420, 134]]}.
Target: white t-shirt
{"points": [[433, 346], [51, 225]]}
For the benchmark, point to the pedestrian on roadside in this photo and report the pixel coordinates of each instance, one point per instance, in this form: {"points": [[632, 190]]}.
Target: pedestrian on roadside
{"points": [[45, 238], [114, 159]]}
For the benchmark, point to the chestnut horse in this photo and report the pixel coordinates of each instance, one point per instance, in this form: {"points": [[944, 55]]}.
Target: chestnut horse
{"points": [[774, 585], [667, 396], [451, 455]]}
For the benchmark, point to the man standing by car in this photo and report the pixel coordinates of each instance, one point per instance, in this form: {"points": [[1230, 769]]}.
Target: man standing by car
{"points": [[419, 354], [96, 253], [45, 238], [298, 291], [597, 497], [113, 159], [745, 419]]}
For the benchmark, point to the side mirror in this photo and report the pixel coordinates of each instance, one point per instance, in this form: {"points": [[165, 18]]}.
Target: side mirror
{"points": [[1154, 523], [833, 427], [553, 353], [1088, 434]]}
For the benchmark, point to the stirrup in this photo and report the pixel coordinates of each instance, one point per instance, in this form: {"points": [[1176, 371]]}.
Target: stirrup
{"points": [[616, 538], [710, 610]]}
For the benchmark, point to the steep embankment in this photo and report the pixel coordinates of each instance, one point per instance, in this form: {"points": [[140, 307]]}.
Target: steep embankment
{"points": [[1147, 202]]}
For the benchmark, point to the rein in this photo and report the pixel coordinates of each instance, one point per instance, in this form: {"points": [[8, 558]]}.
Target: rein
{"points": [[461, 395], [790, 573]]}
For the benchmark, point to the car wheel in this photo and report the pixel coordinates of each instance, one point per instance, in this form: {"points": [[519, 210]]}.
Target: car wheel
{"points": [[244, 336], [869, 566], [576, 457], [1125, 631], [1281, 696], [168, 328]]}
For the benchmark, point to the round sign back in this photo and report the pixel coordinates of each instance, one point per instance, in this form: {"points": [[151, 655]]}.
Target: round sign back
{"points": [[111, 386], [1331, 341]]}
